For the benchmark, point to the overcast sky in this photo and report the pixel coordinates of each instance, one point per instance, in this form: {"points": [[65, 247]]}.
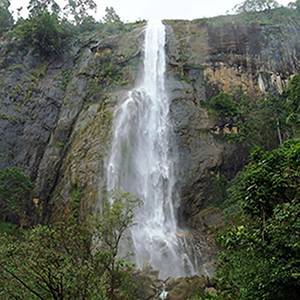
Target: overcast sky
{"points": [[133, 10]]}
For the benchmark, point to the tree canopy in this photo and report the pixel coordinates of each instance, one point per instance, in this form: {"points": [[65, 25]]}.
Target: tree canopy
{"points": [[255, 5], [70, 259], [262, 256], [6, 18]]}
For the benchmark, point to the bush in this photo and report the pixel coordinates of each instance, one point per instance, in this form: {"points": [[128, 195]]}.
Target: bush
{"points": [[6, 19], [223, 104], [41, 32]]}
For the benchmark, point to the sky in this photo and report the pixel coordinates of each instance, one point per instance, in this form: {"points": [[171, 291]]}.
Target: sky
{"points": [[133, 10]]}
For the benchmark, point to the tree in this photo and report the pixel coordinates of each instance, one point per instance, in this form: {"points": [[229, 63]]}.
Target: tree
{"points": [[223, 104], [15, 189], [274, 115], [70, 260], [295, 5], [39, 7], [41, 31], [262, 257], [118, 216], [292, 94], [112, 21], [255, 5], [6, 19], [111, 16], [79, 9]]}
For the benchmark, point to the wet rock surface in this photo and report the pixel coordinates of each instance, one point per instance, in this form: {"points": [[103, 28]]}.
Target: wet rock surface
{"points": [[191, 286]]}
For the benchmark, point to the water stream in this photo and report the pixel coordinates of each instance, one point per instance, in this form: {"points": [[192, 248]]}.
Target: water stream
{"points": [[140, 160]]}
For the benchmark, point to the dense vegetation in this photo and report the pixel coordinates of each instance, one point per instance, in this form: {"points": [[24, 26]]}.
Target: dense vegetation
{"points": [[70, 259], [48, 26], [262, 259], [266, 122]]}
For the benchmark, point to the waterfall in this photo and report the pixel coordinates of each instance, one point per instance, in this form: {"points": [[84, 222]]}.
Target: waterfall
{"points": [[140, 162]]}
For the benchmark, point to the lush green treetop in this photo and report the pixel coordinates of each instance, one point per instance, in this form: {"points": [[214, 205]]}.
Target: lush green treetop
{"points": [[262, 256], [6, 19], [256, 5], [293, 104]]}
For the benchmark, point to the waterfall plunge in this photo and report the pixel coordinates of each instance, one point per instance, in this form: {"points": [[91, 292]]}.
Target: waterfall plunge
{"points": [[140, 162]]}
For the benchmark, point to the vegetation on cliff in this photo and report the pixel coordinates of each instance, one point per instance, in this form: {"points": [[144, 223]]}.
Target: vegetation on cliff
{"points": [[266, 122], [48, 26], [15, 201], [70, 259]]}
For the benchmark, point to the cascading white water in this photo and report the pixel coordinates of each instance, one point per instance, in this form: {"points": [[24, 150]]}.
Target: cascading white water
{"points": [[140, 161]]}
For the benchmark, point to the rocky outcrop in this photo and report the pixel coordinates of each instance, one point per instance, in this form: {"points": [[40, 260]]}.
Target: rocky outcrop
{"points": [[190, 287], [148, 286]]}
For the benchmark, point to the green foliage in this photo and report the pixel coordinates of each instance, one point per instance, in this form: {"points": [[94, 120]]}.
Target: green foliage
{"points": [[89, 24], [39, 7], [271, 179], [16, 66], [14, 119], [106, 74], [293, 104], [262, 257], [66, 77], [46, 32], [7, 228], [15, 189], [219, 193], [79, 10], [118, 216], [6, 19], [42, 32], [50, 262], [76, 195], [255, 5], [112, 21], [39, 73], [223, 104], [257, 122], [232, 208], [295, 5], [111, 16], [70, 260]]}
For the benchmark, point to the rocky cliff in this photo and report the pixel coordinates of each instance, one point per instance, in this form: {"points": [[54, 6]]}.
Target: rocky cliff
{"points": [[206, 57], [56, 114]]}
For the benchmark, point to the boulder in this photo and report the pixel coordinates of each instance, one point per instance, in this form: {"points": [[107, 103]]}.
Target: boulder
{"points": [[188, 288], [206, 219]]}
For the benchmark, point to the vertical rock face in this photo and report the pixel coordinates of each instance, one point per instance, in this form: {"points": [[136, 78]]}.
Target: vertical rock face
{"points": [[206, 57], [56, 114]]}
